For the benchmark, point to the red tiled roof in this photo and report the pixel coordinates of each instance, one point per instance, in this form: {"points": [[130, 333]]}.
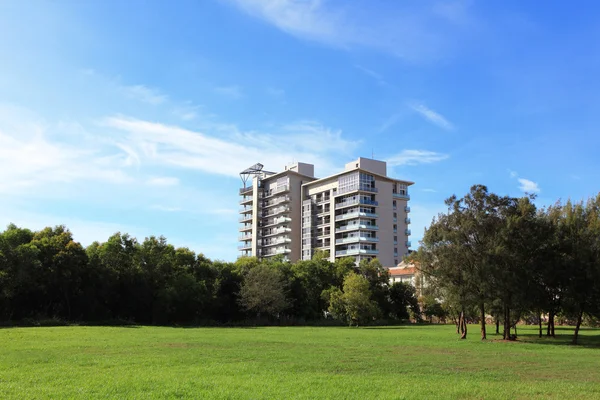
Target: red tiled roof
{"points": [[397, 271]]}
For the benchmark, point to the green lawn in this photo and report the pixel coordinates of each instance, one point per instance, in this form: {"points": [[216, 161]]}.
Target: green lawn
{"points": [[365, 363]]}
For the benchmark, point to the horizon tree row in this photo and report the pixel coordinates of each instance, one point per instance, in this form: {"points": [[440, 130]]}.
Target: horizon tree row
{"points": [[47, 274]]}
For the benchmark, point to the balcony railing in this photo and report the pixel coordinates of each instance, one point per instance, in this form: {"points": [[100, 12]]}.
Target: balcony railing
{"points": [[407, 220], [245, 247], [277, 221], [277, 231], [355, 227], [245, 228], [353, 252], [276, 252], [279, 200], [354, 188], [245, 210], [356, 201], [276, 211], [408, 244], [355, 239], [244, 238], [246, 200], [324, 200], [407, 232], [355, 215], [280, 189], [246, 218], [405, 196], [246, 190], [277, 241], [407, 209]]}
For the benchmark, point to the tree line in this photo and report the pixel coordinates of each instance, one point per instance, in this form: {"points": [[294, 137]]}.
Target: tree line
{"points": [[48, 275], [502, 257]]}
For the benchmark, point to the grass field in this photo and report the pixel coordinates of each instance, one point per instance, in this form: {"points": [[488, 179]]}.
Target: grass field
{"points": [[365, 363]]}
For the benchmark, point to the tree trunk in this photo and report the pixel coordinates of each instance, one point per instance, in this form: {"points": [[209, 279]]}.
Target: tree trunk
{"points": [[482, 315], [515, 329], [550, 331], [553, 321], [463, 325], [506, 333], [579, 318], [540, 322], [497, 324]]}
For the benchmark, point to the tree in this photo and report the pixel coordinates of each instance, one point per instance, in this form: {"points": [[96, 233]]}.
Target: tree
{"points": [[354, 303], [403, 301], [263, 291]]}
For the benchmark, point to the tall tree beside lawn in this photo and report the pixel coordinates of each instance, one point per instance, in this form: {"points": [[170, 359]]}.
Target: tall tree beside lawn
{"points": [[263, 291]]}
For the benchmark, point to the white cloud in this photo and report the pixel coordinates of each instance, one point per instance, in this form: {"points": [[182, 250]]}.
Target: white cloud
{"points": [[528, 186], [429, 190], [232, 92], [34, 152], [233, 150], [144, 94], [513, 174], [432, 116], [415, 157], [411, 30], [163, 181]]}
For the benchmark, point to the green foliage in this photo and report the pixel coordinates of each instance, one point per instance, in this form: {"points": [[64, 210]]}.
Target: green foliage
{"points": [[354, 304], [263, 291]]}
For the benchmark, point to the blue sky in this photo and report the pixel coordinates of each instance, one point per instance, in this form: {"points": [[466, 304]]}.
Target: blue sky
{"points": [[137, 116]]}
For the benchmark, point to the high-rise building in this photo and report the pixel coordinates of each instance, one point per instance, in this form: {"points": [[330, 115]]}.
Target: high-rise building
{"points": [[359, 212]]}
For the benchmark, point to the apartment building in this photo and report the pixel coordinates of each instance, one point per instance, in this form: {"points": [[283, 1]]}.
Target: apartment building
{"points": [[359, 212]]}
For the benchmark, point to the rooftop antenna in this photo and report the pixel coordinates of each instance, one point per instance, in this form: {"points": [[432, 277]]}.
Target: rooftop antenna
{"points": [[255, 170]]}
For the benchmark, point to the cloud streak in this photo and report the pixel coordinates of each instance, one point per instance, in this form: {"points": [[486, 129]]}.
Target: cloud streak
{"points": [[412, 30], [528, 186], [415, 157], [432, 116]]}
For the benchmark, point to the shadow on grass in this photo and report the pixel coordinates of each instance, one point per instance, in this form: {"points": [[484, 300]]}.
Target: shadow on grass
{"points": [[561, 339]]}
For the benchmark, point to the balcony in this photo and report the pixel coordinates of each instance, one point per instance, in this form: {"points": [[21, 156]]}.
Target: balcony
{"points": [[407, 209], [354, 227], [247, 246], [324, 222], [281, 189], [361, 188], [355, 215], [246, 218], [246, 190], [405, 196], [244, 238], [408, 244], [246, 228], [356, 239], [277, 221], [245, 210], [407, 220], [277, 241], [407, 232], [356, 201], [353, 252], [324, 200], [276, 211], [277, 231], [246, 200], [274, 202], [276, 252]]}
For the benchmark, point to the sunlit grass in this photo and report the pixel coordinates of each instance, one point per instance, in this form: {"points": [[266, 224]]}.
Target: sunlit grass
{"points": [[386, 362]]}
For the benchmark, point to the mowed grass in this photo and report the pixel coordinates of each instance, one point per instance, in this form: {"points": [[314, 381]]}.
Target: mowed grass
{"points": [[293, 362]]}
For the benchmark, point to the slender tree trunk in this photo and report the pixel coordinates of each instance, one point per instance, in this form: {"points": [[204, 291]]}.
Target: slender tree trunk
{"points": [[515, 329], [553, 321], [506, 335], [463, 325], [497, 324], [482, 315], [540, 321], [579, 318]]}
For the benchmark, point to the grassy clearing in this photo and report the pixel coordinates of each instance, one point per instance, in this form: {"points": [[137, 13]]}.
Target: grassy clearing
{"points": [[385, 362]]}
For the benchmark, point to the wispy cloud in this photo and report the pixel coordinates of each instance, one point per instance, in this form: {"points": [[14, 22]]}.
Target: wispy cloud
{"points": [[415, 157], [163, 181], [412, 30], [432, 116], [145, 94], [228, 150], [375, 75], [528, 186], [233, 92], [429, 190]]}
